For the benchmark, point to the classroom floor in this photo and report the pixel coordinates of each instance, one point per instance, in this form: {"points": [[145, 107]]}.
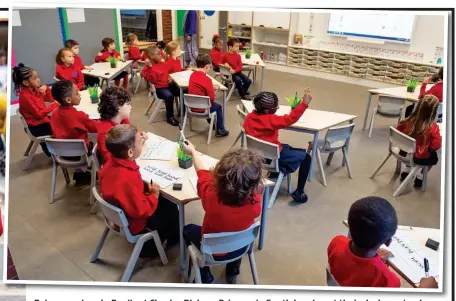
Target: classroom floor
{"points": [[55, 242]]}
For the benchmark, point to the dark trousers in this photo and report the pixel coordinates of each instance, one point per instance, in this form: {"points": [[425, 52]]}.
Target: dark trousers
{"points": [[192, 235], [168, 94], [43, 129], [91, 81], [242, 83], [293, 158], [218, 109]]}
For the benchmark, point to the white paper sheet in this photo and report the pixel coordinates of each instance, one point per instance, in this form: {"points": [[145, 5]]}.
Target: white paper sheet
{"points": [[16, 18], [159, 149], [194, 181], [160, 174], [75, 15], [182, 76]]}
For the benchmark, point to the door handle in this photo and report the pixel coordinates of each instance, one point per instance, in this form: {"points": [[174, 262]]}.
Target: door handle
{"points": [[222, 28]]}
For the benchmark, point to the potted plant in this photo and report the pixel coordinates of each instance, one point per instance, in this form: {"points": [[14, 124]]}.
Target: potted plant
{"points": [[93, 93], [411, 85], [113, 61], [185, 161], [294, 101], [248, 53]]}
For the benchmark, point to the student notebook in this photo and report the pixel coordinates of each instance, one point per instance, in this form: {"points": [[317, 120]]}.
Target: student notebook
{"points": [[161, 174], [159, 149]]}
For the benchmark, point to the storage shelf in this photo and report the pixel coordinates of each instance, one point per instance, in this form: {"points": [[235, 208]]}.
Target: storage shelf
{"points": [[240, 37], [272, 28], [271, 45], [240, 25]]}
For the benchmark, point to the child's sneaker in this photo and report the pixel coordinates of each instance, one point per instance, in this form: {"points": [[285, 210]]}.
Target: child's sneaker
{"points": [[404, 175], [222, 133], [206, 277], [299, 197], [418, 183]]}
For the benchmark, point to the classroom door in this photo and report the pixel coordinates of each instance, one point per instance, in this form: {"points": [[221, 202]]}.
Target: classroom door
{"points": [[223, 23], [208, 26]]}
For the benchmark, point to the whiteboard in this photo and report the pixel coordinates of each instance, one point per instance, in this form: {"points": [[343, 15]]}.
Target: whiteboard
{"points": [[381, 25]]}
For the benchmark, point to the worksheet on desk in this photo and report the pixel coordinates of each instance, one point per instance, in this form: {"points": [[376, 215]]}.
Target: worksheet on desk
{"points": [[182, 76], [159, 149], [161, 174]]}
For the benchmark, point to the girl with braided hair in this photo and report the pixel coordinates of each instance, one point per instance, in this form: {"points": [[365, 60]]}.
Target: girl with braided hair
{"points": [[421, 126], [216, 52]]}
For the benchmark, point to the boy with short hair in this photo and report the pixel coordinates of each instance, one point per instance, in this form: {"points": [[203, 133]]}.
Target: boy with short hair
{"points": [[109, 51], [232, 59]]}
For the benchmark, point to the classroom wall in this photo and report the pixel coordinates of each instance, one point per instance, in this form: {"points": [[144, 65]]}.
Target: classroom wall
{"points": [[180, 21]]}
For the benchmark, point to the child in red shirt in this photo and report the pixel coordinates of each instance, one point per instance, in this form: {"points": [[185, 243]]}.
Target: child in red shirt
{"points": [[162, 45], [232, 60], [216, 52], [156, 72], [134, 53], [121, 184], [230, 199], [67, 69], [263, 124], [108, 51], [421, 126], [174, 52], [73, 45], [201, 84], [32, 102]]}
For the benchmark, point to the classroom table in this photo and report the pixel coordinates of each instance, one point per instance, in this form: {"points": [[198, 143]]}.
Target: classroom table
{"points": [[188, 194], [181, 79], [141, 45], [104, 71], [418, 236], [87, 106], [255, 61], [311, 122]]}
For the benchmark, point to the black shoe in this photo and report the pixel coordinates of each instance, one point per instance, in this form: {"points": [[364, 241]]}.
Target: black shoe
{"points": [[172, 121], [247, 93], [145, 253], [82, 178], [222, 133], [273, 175], [418, 183], [299, 197], [231, 279], [206, 277], [231, 275], [404, 175], [246, 97]]}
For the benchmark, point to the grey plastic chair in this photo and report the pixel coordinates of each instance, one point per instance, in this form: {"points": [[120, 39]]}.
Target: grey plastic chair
{"points": [[34, 142], [439, 113], [330, 280], [242, 115], [116, 221], [61, 148], [269, 151], [389, 107], [337, 138], [399, 141], [220, 243], [155, 98], [56, 79], [198, 102], [227, 80]]}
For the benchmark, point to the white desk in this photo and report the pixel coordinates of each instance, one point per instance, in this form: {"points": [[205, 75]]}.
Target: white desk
{"points": [[311, 122], [254, 61], [87, 106], [104, 71], [181, 79], [188, 194]]}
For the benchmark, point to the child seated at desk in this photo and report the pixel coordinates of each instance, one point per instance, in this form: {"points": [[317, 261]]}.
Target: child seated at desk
{"points": [[121, 184], [174, 52], [32, 102], [359, 261], [232, 59], [67, 69], [421, 126], [201, 84], [134, 53], [162, 45], [216, 52], [90, 81], [109, 51], [231, 201], [263, 124]]}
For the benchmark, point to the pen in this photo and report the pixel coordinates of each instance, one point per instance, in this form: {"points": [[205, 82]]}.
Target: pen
{"points": [[426, 267]]}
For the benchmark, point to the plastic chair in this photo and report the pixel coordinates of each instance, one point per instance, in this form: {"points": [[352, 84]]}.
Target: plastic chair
{"points": [[227, 80], [153, 94], [399, 141], [337, 138], [34, 142], [242, 115], [62, 148], [270, 152], [116, 221], [56, 79], [439, 115], [202, 103], [96, 166], [389, 107], [330, 280], [219, 243]]}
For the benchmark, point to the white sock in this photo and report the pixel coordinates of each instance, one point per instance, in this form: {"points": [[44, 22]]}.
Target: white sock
{"points": [[406, 168]]}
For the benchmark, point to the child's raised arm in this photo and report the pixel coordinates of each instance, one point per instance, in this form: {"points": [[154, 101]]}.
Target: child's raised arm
{"points": [[189, 149]]}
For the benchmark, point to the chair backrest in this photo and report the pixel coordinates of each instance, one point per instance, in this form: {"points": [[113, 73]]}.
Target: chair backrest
{"points": [[337, 137], [61, 148], [24, 123], [242, 115], [197, 102], [439, 113], [399, 140], [56, 79], [389, 105], [330, 280], [115, 218], [153, 91], [95, 162], [267, 150], [225, 73]]}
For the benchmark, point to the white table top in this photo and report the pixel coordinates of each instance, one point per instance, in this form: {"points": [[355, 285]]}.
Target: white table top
{"points": [[400, 92], [87, 106], [100, 69], [182, 78], [311, 120], [254, 60]]}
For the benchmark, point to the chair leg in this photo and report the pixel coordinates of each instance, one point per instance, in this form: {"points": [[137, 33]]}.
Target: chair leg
{"points": [[66, 175], [230, 92], [27, 151], [190, 122], [138, 83], [160, 249], [236, 140], [276, 190], [253, 267], [31, 154], [151, 103], [94, 209], [93, 183], [242, 139], [381, 165], [372, 122], [347, 164], [100, 245], [133, 259], [330, 157], [425, 174], [407, 181], [289, 183], [320, 165], [54, 180], [398, 167], [157, 107], [211, 126]]}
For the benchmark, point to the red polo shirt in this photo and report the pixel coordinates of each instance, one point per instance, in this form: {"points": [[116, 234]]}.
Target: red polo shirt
{"points": [[105, 54], [157, 74], [33, 107], [234, 60], [174, 65], [436, 90], [425, 144], [216, 56], [72, 72], [201, 84], [78, 62], [351, 270], [266, 126], [103, 128], [134, 53], [219, 217], [69, 123], [121, 185]]}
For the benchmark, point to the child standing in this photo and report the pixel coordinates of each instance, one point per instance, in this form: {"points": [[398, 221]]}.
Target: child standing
{"points": [[216, 52], [109, 51], [263, 124], [201, 84], [156, 72], [32, 102], [174, 52], [73, 45], [121, 185], [232, 59], [230, 199], [67, 69], [421, 126]]}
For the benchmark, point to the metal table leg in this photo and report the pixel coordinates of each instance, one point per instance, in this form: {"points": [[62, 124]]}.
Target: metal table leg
{"points": [[262, 78], [366, 115], [181, 100], [182, 246], [314, 155], [264, 211], [224, 106]]}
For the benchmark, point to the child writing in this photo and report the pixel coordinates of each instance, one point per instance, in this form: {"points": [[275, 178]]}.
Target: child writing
{"points": [[109, 51], [216, 52], [232, 59], [32, 102], [201, 84], [359, 261], [231, 201], [121, 185], [67, 69], [263, 124], [421, 126], [74, 47], [155, 71], [174, 52]]}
